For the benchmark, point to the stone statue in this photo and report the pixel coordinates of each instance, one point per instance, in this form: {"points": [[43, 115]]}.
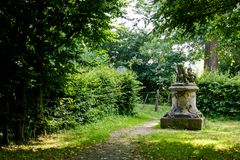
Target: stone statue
{"points": [[183, 113], [183, 76], [191, 77]]}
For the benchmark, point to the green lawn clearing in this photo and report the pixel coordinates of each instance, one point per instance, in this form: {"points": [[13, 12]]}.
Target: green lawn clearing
{"points": [[219, 140], [69, 143]]}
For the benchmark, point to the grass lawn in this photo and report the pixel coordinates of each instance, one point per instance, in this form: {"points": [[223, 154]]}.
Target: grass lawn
{"points": [[219, 140], [69, 143]]}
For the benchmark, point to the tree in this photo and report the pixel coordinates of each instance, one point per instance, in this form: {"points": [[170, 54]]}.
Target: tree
{"points": [[188, 15], [152, 58], [37, 42], [162, 60], [205, 19], [211, 57], [125, 47]]}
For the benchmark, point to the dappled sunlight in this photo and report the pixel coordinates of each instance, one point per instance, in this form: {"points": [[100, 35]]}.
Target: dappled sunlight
{"points": [[164, 149], [202, 142], [69, 143], [218, 140], [224, 125]]}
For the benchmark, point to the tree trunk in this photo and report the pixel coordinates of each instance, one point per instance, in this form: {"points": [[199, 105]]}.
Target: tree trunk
{"points": [[19, 132], [6, 123], [39, 113], [21, 112], [211, 56]]}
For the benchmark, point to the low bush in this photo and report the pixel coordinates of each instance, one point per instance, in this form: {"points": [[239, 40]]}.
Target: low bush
{"points": [[128, 98], [94, 94], [218, 94]]}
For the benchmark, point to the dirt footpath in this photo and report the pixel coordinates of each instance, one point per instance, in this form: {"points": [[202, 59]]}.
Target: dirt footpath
{"points": [[121, 145]]}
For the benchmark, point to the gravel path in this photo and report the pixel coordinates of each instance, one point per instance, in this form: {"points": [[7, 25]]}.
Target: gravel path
{"points": [[120, 145]]}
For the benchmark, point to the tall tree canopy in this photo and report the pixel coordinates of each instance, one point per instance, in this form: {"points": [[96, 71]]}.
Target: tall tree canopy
{"points": [[188, 14], [215, 22], [38, 40]]}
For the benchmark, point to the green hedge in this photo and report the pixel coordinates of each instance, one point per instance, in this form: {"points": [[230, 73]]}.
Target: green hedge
{"points": [[218, 94], [94, 94]]}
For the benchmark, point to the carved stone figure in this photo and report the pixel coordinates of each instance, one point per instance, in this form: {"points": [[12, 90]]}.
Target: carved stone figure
{"points": [[183, 76], [191, 77]]}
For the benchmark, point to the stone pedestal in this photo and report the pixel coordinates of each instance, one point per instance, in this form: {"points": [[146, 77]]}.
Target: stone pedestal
{"points": [[183, 113]]}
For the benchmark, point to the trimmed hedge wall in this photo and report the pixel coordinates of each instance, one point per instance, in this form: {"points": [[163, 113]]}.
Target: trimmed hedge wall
{"points": [[218, 94]]}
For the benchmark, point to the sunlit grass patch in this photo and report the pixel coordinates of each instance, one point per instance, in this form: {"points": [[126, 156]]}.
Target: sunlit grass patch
{"points": [[69, 143], [219, 140]]}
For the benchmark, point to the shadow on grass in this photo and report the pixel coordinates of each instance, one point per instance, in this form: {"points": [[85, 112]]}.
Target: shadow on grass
{"points": [[39, 154], [70, 143], [94, 152], [163, 150]]}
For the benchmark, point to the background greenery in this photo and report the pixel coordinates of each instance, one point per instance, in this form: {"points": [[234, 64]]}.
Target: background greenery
{"points": [[66, 62], [219, 94]]}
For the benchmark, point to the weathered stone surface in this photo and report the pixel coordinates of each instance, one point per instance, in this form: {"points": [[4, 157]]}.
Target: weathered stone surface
{"points": [[182, 123], [183, 113], [183, 75], [183, 102]]}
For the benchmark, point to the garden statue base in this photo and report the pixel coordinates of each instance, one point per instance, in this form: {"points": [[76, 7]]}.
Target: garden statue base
{"points": [[184, 113], [182, 123]]}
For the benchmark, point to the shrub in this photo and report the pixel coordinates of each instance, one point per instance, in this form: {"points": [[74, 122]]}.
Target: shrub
{"points": [[94, 94], [218, 94], [129, 88]]}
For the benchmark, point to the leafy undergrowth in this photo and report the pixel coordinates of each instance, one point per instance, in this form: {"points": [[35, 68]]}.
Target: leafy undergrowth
{"points": [[69, 143], [219, 140]]}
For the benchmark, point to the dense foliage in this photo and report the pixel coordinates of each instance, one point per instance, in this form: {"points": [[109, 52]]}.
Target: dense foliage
{"points": [[219, 94], [40, 43], [214, 23], [190, 15], [92, 95], [152, 58]]}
